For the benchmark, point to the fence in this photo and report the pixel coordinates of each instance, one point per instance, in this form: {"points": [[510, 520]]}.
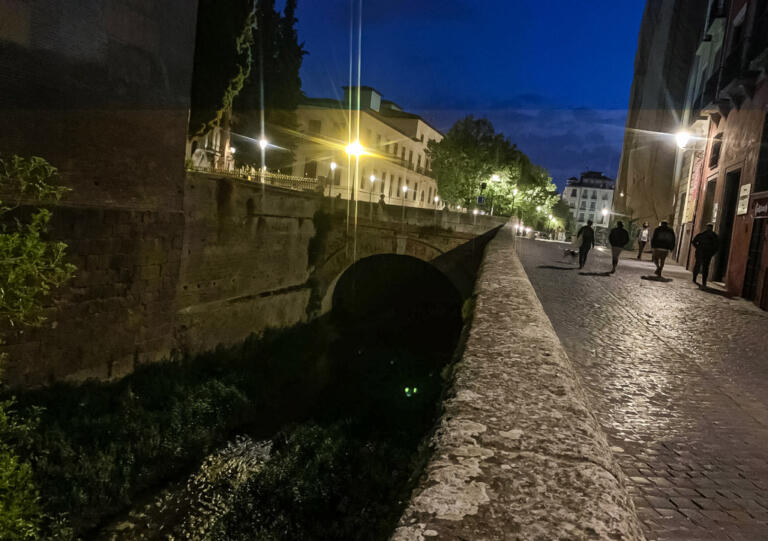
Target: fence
{"points": [[302, 184]]}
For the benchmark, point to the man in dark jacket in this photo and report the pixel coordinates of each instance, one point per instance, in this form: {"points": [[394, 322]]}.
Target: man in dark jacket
{"points": [[618, 239], [587, 236], [662, 242], [706, 244]]}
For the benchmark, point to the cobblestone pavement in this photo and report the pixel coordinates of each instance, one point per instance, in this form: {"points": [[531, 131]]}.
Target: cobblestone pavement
{"points": [[679, 380]]}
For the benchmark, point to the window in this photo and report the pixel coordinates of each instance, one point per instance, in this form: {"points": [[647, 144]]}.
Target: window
{"points": [[315, 126], [337, 177], [422, 196], [415, 190], [362, 180], [383, 180], [594, 194], [574, 193], [410, 157], [581, 217], [418, 161], [395, 152], [403, 157], [583, 205], [310, 169], [605, 197], [398, 193], [378, 141], [592, 206], [717, 144]]}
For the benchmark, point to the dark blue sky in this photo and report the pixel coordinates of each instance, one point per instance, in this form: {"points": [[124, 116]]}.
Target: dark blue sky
{"points": [[553, 75]]}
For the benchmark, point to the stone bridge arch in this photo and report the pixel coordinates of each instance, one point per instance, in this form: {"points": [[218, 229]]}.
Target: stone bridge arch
{"points": [[326, 275]]}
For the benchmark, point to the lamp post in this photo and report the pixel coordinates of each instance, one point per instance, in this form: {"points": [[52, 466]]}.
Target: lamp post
{"points": [[333, 176], [402, 206], [437, 200], [370, 197], [474, 217]]}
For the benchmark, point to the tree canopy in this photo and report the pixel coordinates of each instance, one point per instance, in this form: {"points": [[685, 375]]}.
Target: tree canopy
{"points": [[474, 160], [277, 59]]}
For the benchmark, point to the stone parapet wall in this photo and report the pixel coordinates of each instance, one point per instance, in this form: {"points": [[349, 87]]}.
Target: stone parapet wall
{"points": [[517, 454]]}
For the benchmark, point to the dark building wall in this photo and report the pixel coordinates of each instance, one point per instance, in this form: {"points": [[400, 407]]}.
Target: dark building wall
{"points": [[669, 35], [100, 88], [741, 125]]}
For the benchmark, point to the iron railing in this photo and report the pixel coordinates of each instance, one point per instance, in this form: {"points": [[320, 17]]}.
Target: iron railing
{"points": [[274, 179]]}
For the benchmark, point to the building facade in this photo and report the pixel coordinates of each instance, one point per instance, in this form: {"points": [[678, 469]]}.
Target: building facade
{"points": [[394, 166], [588, 197], [669, 35], [724, 180]]}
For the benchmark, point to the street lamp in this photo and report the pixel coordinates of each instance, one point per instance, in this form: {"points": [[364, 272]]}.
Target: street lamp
{"points": [[355, 149], [437, 199], [474, 217], [496, 178], [333, 176], [405, 194], [682, 137], [263, 143], [370, 196]]}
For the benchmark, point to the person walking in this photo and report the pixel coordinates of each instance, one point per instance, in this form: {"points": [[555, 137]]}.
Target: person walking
{"points": [[642, 239], [662, 242], [587, 236], [706, 243], [618, 238]]}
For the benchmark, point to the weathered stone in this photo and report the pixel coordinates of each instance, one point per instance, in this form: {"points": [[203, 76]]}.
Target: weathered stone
{"points": [[518, 453]]}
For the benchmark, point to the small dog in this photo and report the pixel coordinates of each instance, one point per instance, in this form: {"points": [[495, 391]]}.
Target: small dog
{"points": [[571, 253]]}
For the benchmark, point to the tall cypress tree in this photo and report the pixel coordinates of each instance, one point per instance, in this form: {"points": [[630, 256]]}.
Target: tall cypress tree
{"points": [[223, 60], [277, 58]]}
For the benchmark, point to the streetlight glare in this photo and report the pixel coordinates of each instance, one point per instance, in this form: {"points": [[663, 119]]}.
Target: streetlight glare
{"points": [[333, 166], [605, 212], [355, 149], [437, 199], [372, 178], [263, 143], [495, 178], [683, 138], [232, 150], [474, 212], [405, 189]]}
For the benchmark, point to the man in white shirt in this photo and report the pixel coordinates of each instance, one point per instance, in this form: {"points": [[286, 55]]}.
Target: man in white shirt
{"points": [[642, 239]]}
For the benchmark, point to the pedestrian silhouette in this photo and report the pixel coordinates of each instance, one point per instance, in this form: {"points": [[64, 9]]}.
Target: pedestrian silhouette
{"points": [[618, 238], [642, 239], [706, 244], [587, 240], [662, 242]]}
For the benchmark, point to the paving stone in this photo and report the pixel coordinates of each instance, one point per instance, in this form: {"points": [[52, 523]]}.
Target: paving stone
{"points": [[679, 379]]}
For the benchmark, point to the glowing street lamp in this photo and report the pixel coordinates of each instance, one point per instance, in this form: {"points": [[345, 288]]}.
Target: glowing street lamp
{"points": [[355, 149], [263, 143], [683, 137], [605, 212]]}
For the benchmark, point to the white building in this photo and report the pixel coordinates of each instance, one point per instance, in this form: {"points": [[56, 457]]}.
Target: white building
{"points": [[588, 196], [394, 144]]}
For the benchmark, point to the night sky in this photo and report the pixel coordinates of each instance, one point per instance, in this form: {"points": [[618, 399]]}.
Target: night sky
{"points": [[553, 75]]}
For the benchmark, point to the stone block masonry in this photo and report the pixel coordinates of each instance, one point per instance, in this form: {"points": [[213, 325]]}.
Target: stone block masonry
{"points": [[517, 454]]}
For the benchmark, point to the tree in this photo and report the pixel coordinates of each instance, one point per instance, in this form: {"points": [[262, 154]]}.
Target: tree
{"points": [[31, 266], [223, 62], [474, 160], [277, 58]]}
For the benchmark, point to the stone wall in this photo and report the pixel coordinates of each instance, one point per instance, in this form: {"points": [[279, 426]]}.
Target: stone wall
{"points": [[517, 454], [100, 88]]}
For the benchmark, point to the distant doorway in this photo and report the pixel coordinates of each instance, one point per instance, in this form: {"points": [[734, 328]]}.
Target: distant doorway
{"points": [[753, 260], [709, 203], [730, 200]]}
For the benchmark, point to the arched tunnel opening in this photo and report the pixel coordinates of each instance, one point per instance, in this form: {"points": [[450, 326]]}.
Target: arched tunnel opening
{"points": [[398, 322]]}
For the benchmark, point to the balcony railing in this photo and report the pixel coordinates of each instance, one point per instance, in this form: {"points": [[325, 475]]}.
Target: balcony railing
{"points": [[304, 184]]}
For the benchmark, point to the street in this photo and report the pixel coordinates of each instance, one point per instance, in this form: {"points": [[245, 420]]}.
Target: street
{"points": [[678, 378]]}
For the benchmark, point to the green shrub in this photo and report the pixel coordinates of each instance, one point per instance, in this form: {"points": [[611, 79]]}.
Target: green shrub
{"points": [[20, 513], [323, 483]]}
